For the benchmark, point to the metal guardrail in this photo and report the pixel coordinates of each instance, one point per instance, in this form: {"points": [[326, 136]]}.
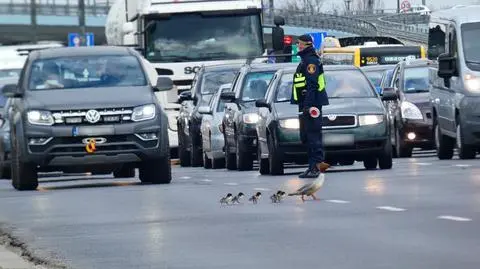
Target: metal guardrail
{"points": [[417, 33], [409, 18], [55, 10]]}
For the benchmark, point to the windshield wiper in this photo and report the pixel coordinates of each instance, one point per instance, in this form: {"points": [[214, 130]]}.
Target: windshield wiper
{"points": [[416, 91]]}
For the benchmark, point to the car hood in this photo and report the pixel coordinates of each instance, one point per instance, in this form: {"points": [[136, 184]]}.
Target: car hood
{"points": [[420, 99], [89, 98], [337, 106]]}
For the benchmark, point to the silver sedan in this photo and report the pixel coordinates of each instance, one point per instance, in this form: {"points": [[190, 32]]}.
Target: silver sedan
{"points": [[212, 136]]}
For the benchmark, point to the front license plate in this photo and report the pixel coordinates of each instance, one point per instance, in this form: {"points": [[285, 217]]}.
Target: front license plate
{"points": [[93, 130], [338, 140]]}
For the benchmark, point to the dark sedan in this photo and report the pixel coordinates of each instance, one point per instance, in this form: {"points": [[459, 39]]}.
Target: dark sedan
{"points": [[355, 122], [412, 124], [375, 74]]}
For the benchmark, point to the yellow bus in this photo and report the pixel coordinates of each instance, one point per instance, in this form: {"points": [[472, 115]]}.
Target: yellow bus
{"points": [[376, 55]]}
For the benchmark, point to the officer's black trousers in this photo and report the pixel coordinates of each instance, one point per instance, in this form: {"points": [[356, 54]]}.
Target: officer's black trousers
{"points": [[311, 136]]}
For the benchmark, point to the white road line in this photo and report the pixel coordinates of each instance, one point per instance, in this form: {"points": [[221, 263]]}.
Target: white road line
{"points": [[262, 189], [454, 218], [462, 165], [185, 177], [424, 163], [231, 184], [206, 180], [338, 201], [391, 208]]}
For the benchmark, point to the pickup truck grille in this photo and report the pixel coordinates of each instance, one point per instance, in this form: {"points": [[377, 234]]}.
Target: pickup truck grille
{"points": [[108, 115], [331, 121]]}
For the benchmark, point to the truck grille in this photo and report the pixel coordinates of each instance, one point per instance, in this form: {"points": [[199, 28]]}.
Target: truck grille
{"points": [[107, 115], [331, 121]]}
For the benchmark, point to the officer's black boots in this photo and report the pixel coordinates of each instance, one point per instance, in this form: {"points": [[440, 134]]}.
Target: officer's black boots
{"points": [[310, 173]]}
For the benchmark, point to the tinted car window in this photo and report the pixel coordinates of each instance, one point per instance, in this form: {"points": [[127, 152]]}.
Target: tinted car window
{"points": [[416, 79], [213, 80], [471, 46], [255, 85], [340, 84], [375, 77], [86, 72]]}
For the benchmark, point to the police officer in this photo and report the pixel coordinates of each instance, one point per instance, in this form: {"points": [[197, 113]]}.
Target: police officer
{"points": [[310, 95]]}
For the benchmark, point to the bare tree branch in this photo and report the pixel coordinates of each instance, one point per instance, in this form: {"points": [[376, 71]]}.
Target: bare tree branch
{"points": [[309, 6]]}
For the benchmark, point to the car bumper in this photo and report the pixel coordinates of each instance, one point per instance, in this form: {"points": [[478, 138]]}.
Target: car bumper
{"points": [[123, 144], [417, 133], [353, 143]]}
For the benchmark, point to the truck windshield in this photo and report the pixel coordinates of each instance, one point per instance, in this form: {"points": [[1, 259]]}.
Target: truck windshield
{"points": [[198, 37], [86, 72], [471, 46]]}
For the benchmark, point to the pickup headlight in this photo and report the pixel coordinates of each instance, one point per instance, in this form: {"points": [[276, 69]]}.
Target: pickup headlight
{"points": [[40, 117], [410, 111], [251, 118], [370, 119], [472, 83], [146, 112], [289, 123]]}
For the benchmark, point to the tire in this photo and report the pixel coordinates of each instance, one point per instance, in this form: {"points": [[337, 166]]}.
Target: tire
{"points": [[24, 175], [444, 144], [230, 158], [218, 163], [124, 172], [370, 163], [385, 159], [244, 159], [207, 163], [183, 153], [275, 159], [196, 158], [5, 169], [158, 170], [263, 164], [465, 152], [401, 148]]}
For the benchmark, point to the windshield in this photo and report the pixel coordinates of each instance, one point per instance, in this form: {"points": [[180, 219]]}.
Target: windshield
{"points": [[255, 85], [86, 72], [471, 46], [340, 84], [212, 81], [375, 77], [10, 73], [416, 79], [338, 58], [197, 37]]}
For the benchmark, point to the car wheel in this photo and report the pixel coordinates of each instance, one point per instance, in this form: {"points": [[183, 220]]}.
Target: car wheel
{"points": [[402, 149], [244, 158], [5, 170], [464, 151], [183, 153], [443, 143], [263, 164], [230, 158], [124, 172], [370, 163], [275, 158], [218, 163], [385, 159], [207, 163], [196, 158], [156, 171], [24, 175]]}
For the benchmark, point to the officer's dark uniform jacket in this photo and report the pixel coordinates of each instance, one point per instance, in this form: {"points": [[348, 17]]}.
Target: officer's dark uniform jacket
{"points": [[309, 82]]}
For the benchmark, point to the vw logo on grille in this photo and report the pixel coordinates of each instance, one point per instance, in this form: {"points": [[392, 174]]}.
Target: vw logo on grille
{"points": [[92, 116], [332, 117]]}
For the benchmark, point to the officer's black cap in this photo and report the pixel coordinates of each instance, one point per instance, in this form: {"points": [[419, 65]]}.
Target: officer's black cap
{"points": [[305, 38]]}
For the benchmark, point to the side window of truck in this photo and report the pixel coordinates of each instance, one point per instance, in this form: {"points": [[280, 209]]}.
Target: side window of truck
{"points": [[452, 43], [436, 40]]}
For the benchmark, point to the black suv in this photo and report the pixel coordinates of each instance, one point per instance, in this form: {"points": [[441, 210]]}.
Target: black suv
{"points": [[206, 82], [241, 114], [88, 109]]}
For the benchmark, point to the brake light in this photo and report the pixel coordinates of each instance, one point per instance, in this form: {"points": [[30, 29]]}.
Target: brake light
{"points": [[287, 40]]}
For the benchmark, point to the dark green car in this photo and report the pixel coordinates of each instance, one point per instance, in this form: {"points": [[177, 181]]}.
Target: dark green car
{"points": [[355, 124]]}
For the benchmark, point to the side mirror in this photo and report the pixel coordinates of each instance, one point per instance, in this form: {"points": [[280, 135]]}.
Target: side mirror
{"points": [[11, 91], [277, 38], [446, 66], [228, 96], [204, 110], [184, 96], [389, 94], [262, 103], [163, 84], [128, 28]]}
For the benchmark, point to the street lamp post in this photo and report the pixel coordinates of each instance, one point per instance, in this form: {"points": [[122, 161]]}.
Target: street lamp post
{"points": [[347, 4], [81, 20]]}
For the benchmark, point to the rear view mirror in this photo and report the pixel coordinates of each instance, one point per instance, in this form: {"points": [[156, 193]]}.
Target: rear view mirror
{"points": [[164, 84], [11, 91], [262, 103], [446, 66], [184, 96], [228, 96], [389, 94], [204, 110]]}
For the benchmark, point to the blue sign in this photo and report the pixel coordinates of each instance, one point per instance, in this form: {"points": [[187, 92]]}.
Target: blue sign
{"points": [[318, 38], [75, 40]]}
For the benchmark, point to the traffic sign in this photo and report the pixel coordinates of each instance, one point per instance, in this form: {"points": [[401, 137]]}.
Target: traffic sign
{"points": [[318, 38], [77, 40], [295, 57], [405, 5], [89, 40]]}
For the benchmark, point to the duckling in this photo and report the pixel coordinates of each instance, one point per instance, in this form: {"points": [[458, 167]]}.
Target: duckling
{"points": [[237, 198], [227, 199], [255, 197]]}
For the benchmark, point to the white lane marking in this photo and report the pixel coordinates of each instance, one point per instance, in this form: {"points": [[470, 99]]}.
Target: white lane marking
{"points": [[462, 165], [424, 164], [262, 189], [206, 180], [231, 184], [338, 201], [185, 177], [454, 218], [391, 208]]}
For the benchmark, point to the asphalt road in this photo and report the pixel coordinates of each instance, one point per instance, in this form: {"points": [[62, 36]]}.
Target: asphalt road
{"points": [[424, 213]]}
